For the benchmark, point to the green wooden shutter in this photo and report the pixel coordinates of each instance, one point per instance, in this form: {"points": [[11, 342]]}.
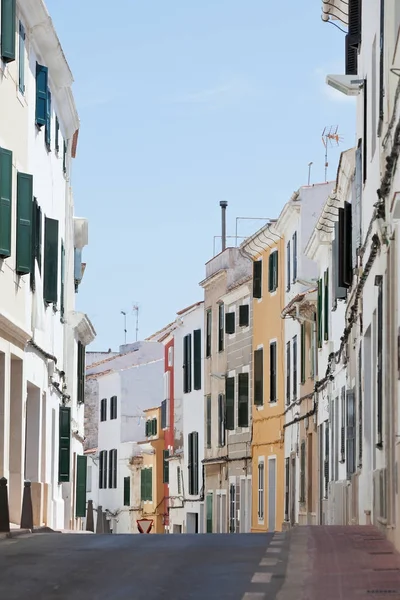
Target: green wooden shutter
{"points": [[47, 131], [50, 260], [230, 403], [41, 94], [319, 316], [21, 59], [5, 202], [195, 468], [24, 223], [57, 139], [143, 484], [303, 353], [64, 157], [257, 279], [81, 470], [127, 491], [150, 484], [276, 269], [64, 444], [197, 359], [62, 283], [209, 513], [208, 419], [326, 305], [259, 377], [165, 466], [8, 20], [190, 462], [243, 402], [271, 272], [154, 426], [81, 373], [230, 322]]}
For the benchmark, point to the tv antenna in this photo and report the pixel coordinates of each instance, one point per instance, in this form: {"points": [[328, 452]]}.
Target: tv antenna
{"points": [[330, 137], [125, 330], [135, 309]]}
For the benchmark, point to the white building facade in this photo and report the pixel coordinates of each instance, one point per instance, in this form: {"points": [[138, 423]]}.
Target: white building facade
{"points": [[42, 337]]}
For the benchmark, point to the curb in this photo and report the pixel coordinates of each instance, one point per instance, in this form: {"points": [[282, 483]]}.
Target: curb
{"points": [[14, 533]]}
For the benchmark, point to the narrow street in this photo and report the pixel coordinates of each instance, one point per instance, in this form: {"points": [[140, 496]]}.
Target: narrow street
{"points": [[126, 567]]}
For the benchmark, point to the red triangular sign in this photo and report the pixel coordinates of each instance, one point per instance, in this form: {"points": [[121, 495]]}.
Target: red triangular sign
{"points": [[144, 525]]}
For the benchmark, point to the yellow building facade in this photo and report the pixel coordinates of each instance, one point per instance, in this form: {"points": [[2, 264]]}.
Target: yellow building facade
{"points": [[266, 249]]}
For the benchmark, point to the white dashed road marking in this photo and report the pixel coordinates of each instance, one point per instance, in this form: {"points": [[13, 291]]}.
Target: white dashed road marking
{"points": [[268, 562], [261, 578], [254, 596], [275, 550], [277, 543]]}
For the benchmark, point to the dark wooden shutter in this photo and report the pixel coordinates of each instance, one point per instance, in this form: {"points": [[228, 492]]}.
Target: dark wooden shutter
{"points": [[272, 372], [64, 157], [287, 474], [379, 350], [105, 456], [271, 272], [221, 311], [381, 64], [190, 462], [356, 206], [326, 305], [62, 281], [197, 359], [8, 30], [81, 372], [243, 400], [276, 269], [5, 202], [47, 130], [230, 403], [101, 469], [50, 260], [154, 426], [150, 484], [147, 428], [230, 322], [221, 420], [257, 279], [57, 136], [195, 446], [347, 255], [244, 315], [288, 280], [339, 292], [295, 367], [163, 414], [208, 419], [115, 469], [143, 485], [351, 434], [41, 94], [110, 468], [127, 491], [259, 377], [80, 498], [208, 332], [288, 390], [187, 363], [24, 223], [303, 353], [303, 471], [319, 311], [294, 243], [166, 466], [64, 444], [353, 37]]}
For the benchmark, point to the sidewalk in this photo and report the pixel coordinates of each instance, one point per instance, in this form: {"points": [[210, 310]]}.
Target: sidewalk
{"points": [[341, 563]]}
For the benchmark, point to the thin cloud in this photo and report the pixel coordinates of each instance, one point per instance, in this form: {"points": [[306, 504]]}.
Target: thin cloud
{"points": [[232, 89], [326, 90]]}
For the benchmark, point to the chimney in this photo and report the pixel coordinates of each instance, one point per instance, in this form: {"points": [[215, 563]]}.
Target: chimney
{"points": [[223, 204]]}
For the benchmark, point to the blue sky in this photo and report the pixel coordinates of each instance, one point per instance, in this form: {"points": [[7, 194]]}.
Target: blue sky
{"points": [[182, 104]]}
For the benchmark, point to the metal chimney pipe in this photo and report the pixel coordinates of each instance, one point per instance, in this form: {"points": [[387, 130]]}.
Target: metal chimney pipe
{"points": [[223, 204]]}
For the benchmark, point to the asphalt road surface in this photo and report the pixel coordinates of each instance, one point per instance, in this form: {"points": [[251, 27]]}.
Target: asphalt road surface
{"points": [[52, 566]]}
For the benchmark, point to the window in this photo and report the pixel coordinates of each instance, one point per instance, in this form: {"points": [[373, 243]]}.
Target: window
{"points": [[353, 37], [244, 315], [208, 332], [221, 420], [165, 466], [259, 377], [232, 508], [81, 368], [288, 279], [103, 410], [50, 282], [220, 327], [151, 427], [64, 447], [381, 66], [295, 367], [313, 358], [8, 30], [64, 157], [127, 491], [81, 488], [187, 363], [208, 421], [243, 400], [288, 373], [257, 279], [326, 305], [146, 485], [351, 434], [113, 407], [178, 480], [272, 372], [319, 310], [165, 404], [339, 292], [197, 359], [379, 348], [287, 472], [103, 470], [261, 491], [230, 403], [209, 513], [57, 140], [41, 95], [345, 267], [21, 59], [164, 414], [303, 353], [360, 407], [273, 272], [193, 463], [112, 469], [303, 471], [24, 223], [36, 241], [6, 201], [294, 244], [230, 322], [62, 281]]}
